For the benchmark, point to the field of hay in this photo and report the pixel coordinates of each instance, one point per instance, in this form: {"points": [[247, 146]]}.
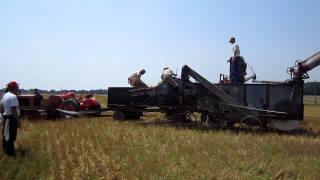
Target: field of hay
{"points": [[99, 148]]}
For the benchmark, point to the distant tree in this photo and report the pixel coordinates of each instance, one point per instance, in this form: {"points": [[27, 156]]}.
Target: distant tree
{"points": [[52, 91], [309, 88]]}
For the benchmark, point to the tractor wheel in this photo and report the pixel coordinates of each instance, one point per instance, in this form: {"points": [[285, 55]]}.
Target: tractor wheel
{"points": [[71, 105]]}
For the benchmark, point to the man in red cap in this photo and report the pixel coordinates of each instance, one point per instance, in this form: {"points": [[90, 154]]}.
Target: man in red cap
{"points": [[9, 108]]}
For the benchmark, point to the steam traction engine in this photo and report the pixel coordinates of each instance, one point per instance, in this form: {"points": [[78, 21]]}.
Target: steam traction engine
{"points": [[263, 103]]}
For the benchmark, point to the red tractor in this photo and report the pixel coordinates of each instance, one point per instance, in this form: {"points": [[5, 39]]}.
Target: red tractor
{"points": [[35, 105], [89, 103]]}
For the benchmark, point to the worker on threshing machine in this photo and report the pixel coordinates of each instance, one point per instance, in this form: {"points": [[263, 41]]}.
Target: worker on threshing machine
{"points": [[9, 108], [135, 80], [237, 65], [167, 75]]}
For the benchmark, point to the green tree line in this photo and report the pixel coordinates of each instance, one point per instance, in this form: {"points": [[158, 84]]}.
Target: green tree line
{"points": [[309, 89], [52, 91]]}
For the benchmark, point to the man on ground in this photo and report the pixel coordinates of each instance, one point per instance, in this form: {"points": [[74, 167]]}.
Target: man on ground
{"points": [[9, 108]]}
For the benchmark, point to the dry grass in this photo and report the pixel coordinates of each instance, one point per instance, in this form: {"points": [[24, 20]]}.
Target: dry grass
{"points": [[99, 148], [311, 99]]}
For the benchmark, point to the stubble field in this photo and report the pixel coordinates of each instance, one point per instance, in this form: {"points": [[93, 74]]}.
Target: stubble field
{"points": [[99, 148]]}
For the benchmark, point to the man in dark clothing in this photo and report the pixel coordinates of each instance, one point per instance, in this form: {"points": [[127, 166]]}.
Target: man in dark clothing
{"points": [[237, 69]]}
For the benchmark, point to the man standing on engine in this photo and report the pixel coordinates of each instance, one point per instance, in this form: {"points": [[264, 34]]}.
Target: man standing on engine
{"points": [[9, 108], [135, 79], [236, 63]]}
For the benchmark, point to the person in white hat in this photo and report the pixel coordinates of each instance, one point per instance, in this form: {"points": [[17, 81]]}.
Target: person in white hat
{"points": [[135, 79], [167, 76], [236, 63]]}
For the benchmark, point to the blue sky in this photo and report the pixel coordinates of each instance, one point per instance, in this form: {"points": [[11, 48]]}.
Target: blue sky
{"points": [[98, 44]]}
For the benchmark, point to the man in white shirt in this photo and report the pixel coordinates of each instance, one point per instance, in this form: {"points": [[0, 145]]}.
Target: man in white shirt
{"points": [[135, 79], [167, 75], [9, 108], [235, 49], [235, 62], [167, 72]]}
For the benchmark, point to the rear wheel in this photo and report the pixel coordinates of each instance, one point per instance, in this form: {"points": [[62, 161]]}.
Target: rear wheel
{"points": [[71, 105]]}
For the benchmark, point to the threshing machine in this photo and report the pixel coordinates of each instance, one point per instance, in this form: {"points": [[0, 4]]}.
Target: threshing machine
{"points": [[264, 103]]}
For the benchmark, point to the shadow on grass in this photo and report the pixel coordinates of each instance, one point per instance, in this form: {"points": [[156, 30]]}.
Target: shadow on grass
{"points": [[24, 165], [300, 132], [201, 126], [66, 117]]}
